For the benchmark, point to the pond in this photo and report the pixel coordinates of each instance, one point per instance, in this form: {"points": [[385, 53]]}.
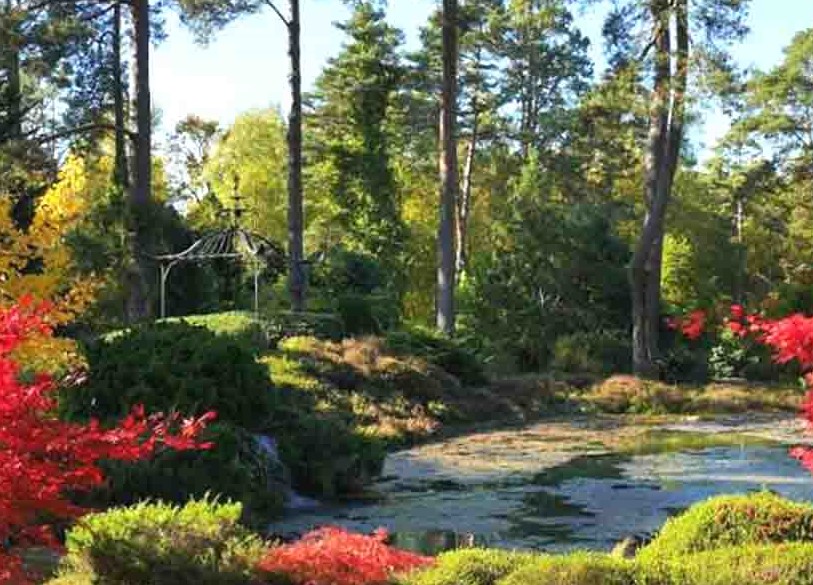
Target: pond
{"points": [[589, 500]]}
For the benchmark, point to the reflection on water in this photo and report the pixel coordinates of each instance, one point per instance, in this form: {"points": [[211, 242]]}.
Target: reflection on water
{"points": [[432, 542], [591, 502]]}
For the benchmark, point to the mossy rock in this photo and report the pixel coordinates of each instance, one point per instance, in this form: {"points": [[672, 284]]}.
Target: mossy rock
{"points": [[473, 566], [777, 564], [760, 518], [580, 568]]}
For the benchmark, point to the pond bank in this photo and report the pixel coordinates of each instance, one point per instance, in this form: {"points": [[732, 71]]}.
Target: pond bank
{"points": [[584, 482]]}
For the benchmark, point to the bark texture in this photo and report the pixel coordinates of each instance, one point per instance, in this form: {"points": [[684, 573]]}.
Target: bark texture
{"points": [[121, 174], [296, 252], [666, 127], [138, 308], [445, 308]]}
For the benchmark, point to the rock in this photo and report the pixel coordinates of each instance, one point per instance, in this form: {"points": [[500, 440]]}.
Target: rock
{"points": [[627, 547]]}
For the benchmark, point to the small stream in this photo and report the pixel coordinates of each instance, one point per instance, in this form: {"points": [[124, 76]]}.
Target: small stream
{"points": [[589, 500]]}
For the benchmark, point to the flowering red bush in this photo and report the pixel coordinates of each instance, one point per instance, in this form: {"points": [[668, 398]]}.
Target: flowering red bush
{"points": [[691, 326], [332, 556], [790, 338], [42, 458]]}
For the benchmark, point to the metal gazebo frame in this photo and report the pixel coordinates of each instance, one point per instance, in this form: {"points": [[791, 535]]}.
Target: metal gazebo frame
{"points": [[232, 243]]}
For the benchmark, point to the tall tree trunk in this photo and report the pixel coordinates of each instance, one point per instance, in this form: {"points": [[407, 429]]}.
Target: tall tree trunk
{"points": [[141, 191], [464, 199], [663, 150], [15, 95], [120, 173], [142, 188], [742, 266], [445, 309], [12, 92], [464, 205], [23, 211], [296, 252]]}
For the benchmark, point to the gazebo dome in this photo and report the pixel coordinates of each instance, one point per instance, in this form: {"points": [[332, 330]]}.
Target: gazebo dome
{"points": [[232, 243]]}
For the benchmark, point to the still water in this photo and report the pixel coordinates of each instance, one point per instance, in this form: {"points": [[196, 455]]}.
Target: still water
{"points": [[592, 501]]}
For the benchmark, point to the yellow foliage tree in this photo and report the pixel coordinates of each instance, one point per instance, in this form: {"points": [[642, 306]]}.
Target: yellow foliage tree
{"points": [[37, 262]]}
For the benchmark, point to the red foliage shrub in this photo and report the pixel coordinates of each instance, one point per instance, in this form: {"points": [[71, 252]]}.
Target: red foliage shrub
{"points": [[42, 458], [691, 326], [332, 556], [790, 338]]}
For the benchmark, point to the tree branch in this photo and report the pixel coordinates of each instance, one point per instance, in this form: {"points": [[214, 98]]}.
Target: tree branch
{"points": [[47, 3], [273, 6], [81, 130]]}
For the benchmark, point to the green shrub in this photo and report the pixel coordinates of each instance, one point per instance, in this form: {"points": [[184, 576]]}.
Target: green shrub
{"points": [[563, 271], [353, 286], [365, 314], [284, 324], [777, 564], [200, 543], [442, 352], [348, 271], [728, 356], [472, 566], [683, 364], [241, 325], [758, 518], [325, 455], [579, 568], [236, 468], [72, 578], [593, 352], [171, 366]]}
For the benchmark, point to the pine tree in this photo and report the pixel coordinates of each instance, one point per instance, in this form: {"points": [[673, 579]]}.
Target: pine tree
{"points": [[350, 137]]}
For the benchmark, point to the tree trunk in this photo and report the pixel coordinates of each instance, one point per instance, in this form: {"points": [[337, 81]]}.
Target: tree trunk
{"points": [[464, 199], [120, 173], [141, 191], [465, 196], [296, 254], [742, 266], [15, 95], [445, 309], [663, 150]]}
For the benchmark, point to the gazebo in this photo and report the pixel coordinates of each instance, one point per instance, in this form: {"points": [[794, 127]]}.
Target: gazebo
{"points": [[232, 243]]}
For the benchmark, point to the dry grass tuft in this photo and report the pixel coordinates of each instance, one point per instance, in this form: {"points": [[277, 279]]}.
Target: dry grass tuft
{"points": [[628, 394]]}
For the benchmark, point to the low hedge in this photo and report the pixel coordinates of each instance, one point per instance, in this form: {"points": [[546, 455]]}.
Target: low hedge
{"points": [[200, 543], [759, 518], [776, 564], [472, 566], [580, 568], [240, 325], [171, 367], [755, 539]]}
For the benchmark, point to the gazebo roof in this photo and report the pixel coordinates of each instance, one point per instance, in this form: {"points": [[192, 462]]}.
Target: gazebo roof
{"points": [[232, 242]]}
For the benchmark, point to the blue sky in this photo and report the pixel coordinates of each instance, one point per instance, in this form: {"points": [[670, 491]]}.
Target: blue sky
{"points": [[246, 67]]}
